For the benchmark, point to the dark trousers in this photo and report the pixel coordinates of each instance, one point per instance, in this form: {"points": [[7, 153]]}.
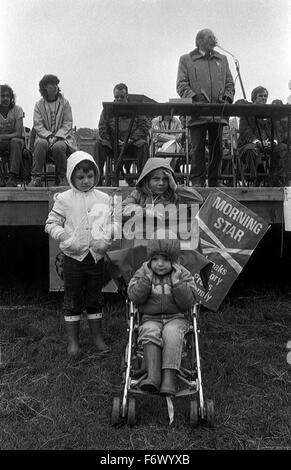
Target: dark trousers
{"points": [[58, 152], [198, 160], [83, 282], [14, 147], [132, 154]]}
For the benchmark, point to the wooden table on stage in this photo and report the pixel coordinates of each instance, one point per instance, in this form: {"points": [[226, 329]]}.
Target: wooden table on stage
{"points": [[112, 109]]}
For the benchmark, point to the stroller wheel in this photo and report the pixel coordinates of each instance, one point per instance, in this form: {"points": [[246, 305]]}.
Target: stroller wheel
{"points": [[115, 414], [209, 408], [194, 414], [131, 412]]}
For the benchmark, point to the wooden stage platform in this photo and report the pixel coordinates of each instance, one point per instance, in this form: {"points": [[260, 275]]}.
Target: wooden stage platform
{"points": [[29, 206]]}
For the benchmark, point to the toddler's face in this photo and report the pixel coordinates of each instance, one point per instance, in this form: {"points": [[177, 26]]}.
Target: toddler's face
{"points": [[84, 181], [158, 182], [161, 265]]}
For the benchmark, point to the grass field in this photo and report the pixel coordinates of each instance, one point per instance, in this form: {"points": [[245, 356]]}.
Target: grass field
{"points": [[50, 402]]}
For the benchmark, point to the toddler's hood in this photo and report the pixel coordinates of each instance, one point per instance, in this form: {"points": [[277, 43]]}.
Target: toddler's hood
{"points": [[76, 158], [169, 247]]}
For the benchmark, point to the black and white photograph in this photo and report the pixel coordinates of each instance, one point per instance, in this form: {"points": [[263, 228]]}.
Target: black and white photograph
{"points": [[145, 229]]}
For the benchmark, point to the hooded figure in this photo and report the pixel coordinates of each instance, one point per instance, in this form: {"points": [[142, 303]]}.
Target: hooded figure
{"points": [[85, 216], [81, 221], [176, 194]]}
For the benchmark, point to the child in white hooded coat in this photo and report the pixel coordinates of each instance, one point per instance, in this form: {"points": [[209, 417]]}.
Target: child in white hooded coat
{"points": [[81, 220]]}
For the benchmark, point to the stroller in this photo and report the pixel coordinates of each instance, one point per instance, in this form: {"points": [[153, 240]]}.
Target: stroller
{"points": [[122, 264]]}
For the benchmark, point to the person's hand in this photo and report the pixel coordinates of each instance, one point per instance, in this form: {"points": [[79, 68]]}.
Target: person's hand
{"points": [[99, 246], [176, 274], [148, 272], [227, 99], [52, 140], [199, 98], [258, 145]]}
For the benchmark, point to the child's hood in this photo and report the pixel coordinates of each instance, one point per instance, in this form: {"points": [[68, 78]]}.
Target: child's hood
{"points": [[76, 158], [156, 164], [169, 247]]}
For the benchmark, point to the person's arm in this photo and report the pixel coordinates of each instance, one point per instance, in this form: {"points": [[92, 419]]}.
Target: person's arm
{"points": [[67, 123], [246, 132], [103, 128], [183, 287], [38, 124], [54, 225], [229, 89], [140, 285], [183, 87], [18, 129], [132, 203], [141, 130]]}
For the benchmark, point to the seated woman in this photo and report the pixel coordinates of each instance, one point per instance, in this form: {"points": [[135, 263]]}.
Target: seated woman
{"points": [[11, 134], [53, 125]]}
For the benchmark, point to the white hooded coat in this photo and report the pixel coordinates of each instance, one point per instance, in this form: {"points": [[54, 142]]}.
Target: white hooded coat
{"points": [[84, 216]]}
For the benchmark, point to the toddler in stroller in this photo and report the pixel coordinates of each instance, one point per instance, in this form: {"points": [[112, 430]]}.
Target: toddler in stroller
{"points": [[163, 292], [162, 329]]}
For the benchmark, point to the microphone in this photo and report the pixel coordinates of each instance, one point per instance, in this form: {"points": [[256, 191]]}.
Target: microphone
{"points": [[227, 52]]}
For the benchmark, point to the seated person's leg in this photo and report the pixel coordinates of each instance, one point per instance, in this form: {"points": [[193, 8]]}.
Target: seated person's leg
{"points": [[150, 338], [130, 157], [38, 161], [279, 166], [4, 148], [59, 156], [101, 152], [173, 336], [142, 155], [15, 157]]}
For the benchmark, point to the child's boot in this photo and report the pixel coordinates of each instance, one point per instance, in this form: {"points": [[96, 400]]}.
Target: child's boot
{"points": [[72, 324], [168, 386], [95, 325], [153, 361]]}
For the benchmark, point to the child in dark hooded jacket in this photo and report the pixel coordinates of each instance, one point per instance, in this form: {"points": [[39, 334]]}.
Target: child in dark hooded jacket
{"points": [[158, 199], [157, 185], [163, 291], [81, 220]]}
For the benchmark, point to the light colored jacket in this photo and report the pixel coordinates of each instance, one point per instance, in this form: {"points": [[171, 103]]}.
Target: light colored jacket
{"points": [[208, 79], [64, 121], [84, 216]]}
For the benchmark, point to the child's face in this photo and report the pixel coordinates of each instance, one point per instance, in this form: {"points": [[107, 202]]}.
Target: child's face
{"points": [[161, 265], [84, 181], [158, 182]]}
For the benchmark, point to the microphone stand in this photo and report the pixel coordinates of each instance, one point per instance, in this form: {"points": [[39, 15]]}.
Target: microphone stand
{"points": [[239, 77], [237, 70]]}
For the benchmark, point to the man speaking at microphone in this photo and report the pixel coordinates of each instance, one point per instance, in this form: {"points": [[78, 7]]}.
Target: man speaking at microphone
{"points": [[204, 76]]}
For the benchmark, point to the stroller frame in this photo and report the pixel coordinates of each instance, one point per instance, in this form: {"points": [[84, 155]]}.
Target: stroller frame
{"points": [[124, 410]]}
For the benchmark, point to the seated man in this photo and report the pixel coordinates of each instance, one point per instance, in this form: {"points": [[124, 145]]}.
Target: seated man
{"points": [[137, 146], [165, 141], [53, 124], [11, 134], [255, 139]]}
